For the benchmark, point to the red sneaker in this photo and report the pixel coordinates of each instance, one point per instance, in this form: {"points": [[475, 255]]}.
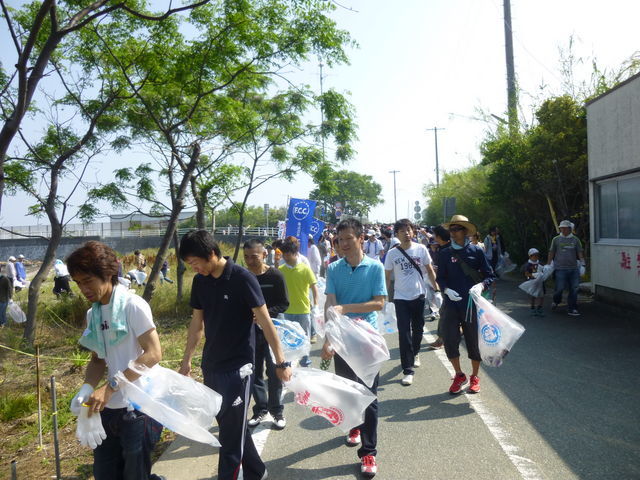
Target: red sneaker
{"points": [[368, 467], [353, 439], [474, 384], [459, 382]]}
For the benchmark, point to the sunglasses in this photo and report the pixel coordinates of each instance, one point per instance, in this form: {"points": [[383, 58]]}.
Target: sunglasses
{"points": [[456, 228]]}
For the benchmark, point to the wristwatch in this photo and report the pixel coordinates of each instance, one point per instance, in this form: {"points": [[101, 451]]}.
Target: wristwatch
{"points": [[113, 383], [283, 365]]}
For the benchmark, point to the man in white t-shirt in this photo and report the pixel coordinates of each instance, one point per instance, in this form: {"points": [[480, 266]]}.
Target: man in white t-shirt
{"points": [[373, 247], [119, 329], [408, 263]]}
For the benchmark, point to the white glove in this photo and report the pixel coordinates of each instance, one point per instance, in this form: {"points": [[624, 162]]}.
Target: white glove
{"points": [[452, 294], [582, 270], [246, 370], [90, 432], [477, 289], [536, 274], [83, 395], [437, 299]]}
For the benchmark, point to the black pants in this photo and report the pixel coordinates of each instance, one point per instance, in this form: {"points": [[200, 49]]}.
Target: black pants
{"points": [[451, 319], [126, 452], [410, 329], [369, 429], [237, 445], [271, 403]]}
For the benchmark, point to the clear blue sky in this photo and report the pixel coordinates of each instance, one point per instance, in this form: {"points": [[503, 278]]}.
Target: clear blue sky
{"points": [[426, 63]]}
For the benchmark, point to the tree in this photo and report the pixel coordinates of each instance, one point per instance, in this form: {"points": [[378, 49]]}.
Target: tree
{"points": [[191, 93], [356, 192], [37, 31]]}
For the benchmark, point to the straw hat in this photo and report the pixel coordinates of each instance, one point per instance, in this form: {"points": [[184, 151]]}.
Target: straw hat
{"points": [[463, 222]]}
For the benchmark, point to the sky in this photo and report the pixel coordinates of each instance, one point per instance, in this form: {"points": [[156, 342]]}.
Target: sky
{"points": [[422, 64]]}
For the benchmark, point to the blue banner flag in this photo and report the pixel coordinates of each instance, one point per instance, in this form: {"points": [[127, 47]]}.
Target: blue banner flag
{"points": [[299, 218], [316, 228]]}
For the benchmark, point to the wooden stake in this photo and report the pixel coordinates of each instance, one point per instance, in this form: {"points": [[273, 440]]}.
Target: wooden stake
{"points": [[38, 394]]}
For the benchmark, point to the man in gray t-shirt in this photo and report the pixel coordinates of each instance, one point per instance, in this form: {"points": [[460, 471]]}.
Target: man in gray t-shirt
{"points": [[567, 254]]}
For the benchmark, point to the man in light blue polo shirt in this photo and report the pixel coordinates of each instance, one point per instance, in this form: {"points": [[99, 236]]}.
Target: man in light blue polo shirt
{"points": [[356, 288]]}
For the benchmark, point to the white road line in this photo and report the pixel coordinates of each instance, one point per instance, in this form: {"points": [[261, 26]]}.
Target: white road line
{"points": [[527, 467]]}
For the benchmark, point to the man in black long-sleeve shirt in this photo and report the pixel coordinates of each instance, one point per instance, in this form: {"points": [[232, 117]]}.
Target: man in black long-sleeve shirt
{"points": [[274, 290]]}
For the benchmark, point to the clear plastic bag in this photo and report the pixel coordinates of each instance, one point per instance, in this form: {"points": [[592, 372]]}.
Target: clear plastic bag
{"points": [[505, 265], [317, 317], [15, 312], [321, 284], [358, 343], [497, 331], [341, 401], [294, 341], [535, 287], [179, 403], [387, 320]]}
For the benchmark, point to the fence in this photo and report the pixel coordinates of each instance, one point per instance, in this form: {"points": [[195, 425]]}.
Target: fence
{"points": [[121, 230]]}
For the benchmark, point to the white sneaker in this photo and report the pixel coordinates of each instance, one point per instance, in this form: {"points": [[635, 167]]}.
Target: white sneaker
{"points": [[416, 361], [279, 422], [407, 380]]}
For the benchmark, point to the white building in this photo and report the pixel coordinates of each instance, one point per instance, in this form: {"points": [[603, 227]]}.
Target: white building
{"points": [[613, 132]]}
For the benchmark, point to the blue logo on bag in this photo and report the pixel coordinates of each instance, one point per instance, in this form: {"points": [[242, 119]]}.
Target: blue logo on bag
{"points": [[291, 339], [491, 334]]}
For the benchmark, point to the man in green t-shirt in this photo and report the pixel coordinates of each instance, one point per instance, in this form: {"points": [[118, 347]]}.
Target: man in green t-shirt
{"points": [[299, 279], [567, 255]]}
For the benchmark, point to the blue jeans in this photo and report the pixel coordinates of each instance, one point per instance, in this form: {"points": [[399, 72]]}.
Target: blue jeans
{"points": [[3, 312], [304, 319], [126, 452], [567, 279]]}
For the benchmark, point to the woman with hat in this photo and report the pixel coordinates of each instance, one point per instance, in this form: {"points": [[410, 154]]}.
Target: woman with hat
{"points": [[461, 266]]}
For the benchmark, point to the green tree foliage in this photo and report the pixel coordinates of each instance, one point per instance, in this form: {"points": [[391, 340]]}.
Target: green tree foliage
{"points": [[468, 187], [356, 192]]}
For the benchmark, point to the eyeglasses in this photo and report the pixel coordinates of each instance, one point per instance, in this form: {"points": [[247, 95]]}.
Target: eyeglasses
{"points": [[456, 228]]}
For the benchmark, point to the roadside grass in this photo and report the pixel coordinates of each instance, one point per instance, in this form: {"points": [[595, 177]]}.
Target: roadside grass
{"points": [[60, 324]]}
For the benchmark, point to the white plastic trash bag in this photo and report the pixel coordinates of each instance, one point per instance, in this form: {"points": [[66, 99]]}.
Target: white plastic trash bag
{"points": [[341, 401], [317, 317], [294, 341], [387, 320], [534, 287], [358, 343], [15, 312], [497, 331], [321, 284], [178, 402], [505, 265], [138, 276]]}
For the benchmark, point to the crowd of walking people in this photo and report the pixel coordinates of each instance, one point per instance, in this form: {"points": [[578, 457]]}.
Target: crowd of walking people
{"points": [[354, 270]]}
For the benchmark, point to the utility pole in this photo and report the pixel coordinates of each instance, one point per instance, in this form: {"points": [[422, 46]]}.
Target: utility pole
{"points": [[435, 132], [395, 203], [512, 95], [321, 109]]}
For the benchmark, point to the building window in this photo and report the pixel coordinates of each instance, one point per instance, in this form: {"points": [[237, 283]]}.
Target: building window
{"points": [[617, 202]]}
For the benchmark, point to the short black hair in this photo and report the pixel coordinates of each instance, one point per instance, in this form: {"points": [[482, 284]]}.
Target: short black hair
{"points": [[443, 233], [352, 223], [199, 243], [403, 223], [493, 229], [289, 246], [253, 243], [277, 243], [96, 259]]}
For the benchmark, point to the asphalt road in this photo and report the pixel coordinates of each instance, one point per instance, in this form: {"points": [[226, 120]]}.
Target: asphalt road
{"points": [[565, 405]]}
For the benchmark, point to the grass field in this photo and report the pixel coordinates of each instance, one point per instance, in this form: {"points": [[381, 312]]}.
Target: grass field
{"points": [[60, 323]]}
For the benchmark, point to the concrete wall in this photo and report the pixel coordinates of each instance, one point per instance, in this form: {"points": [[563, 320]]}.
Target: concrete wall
{"points": [[35, 248], [613, 129]]}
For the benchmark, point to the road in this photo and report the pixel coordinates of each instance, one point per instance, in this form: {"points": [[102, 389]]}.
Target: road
{"points": [[565, 405]]}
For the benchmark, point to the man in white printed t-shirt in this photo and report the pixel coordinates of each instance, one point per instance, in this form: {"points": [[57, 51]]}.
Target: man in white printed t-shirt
{"points": [[119, 329], [408, 263], [373, 247]]}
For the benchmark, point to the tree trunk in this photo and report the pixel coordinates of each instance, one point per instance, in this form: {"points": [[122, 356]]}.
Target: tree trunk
{"points": [[177, 207], [200, 214], [38, 280], [180, 268]]}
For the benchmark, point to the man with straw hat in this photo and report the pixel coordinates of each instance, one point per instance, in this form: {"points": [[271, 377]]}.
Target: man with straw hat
{"points": [[461, 266]]}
